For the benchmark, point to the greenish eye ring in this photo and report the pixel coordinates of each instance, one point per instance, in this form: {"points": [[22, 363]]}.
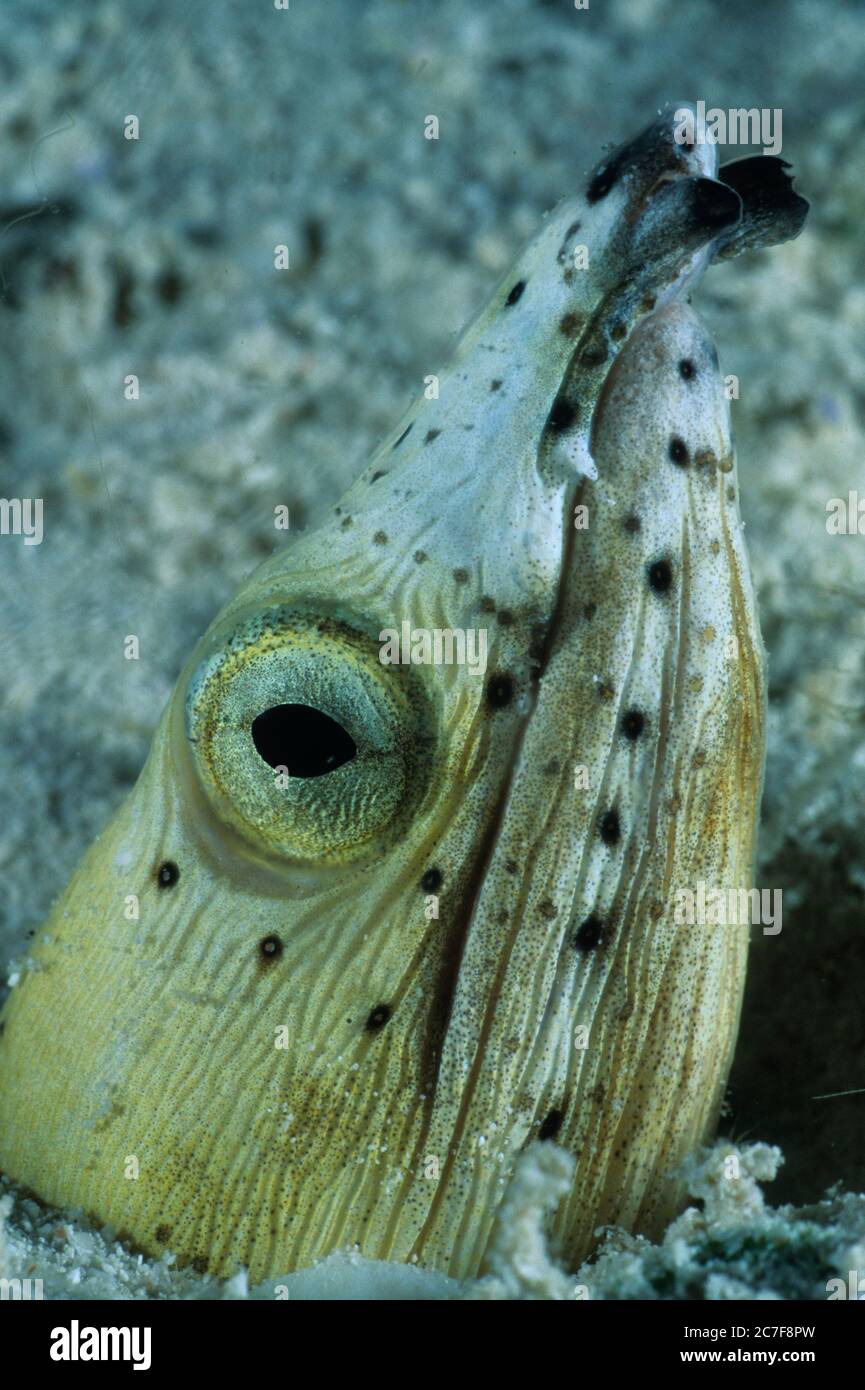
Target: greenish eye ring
{"points": [[304, 744]]}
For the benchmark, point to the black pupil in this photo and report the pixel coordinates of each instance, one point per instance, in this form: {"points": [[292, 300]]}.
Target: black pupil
{"points": [[302, 739]]}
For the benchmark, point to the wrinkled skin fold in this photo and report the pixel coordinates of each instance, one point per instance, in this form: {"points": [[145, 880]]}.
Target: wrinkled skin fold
{"points": [[275, 1014]]}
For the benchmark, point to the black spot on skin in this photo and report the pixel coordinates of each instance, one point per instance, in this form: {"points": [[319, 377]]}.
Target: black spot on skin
{"points": [[270, 948], [551, 1125], [380, 538], [431, 435], [408, 429], [506, 617], [547, 909], [500, 690], [687, 370], [510, 866], [594, 355], [167, 874], [619, 331], [570, 325], [420, 556], [678, 452], [163, 1234], [590, 934], [601, 184], [609, 827], [378, 1018], [516, 293], [461, 576], [487, 604], [633, 723], [589, 611], [495, 385], [432, 880], [632, 523], [200, 1265], [378, 474], [660, 576], [346, 522], [562, 415]]}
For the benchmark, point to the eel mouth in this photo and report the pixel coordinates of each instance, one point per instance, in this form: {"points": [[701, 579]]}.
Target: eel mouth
{"points": [[681, 213]]}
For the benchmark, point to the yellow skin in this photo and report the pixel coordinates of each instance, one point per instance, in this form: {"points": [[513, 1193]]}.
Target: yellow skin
{"points": [[362, 993]]}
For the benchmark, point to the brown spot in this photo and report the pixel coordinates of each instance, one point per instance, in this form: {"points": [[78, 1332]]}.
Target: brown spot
{"points": [[618, 331], [420, 556], [605, 690], [488, 605], [345, 523], [461, 576], [502, 917], [699, 759], [163, 1234], [695, 684], [632, 523], [589, 611], [506, 617], [715, 547], [200, 1265], [547, 909], [731, 494], [380, 538], [705, 458], [570, 325], [726, 463], [551, 768], [510, 866], [647, 304]]}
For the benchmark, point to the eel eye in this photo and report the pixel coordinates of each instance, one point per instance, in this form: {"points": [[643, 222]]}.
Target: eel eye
{"points": [[304, 744], [303, 740]]}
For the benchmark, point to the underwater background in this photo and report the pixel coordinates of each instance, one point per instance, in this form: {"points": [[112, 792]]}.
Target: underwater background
{"points": [[305, 127]]}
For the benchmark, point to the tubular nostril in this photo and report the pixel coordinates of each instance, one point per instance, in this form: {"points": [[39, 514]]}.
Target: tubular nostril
{"points": [[716, 204]]}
